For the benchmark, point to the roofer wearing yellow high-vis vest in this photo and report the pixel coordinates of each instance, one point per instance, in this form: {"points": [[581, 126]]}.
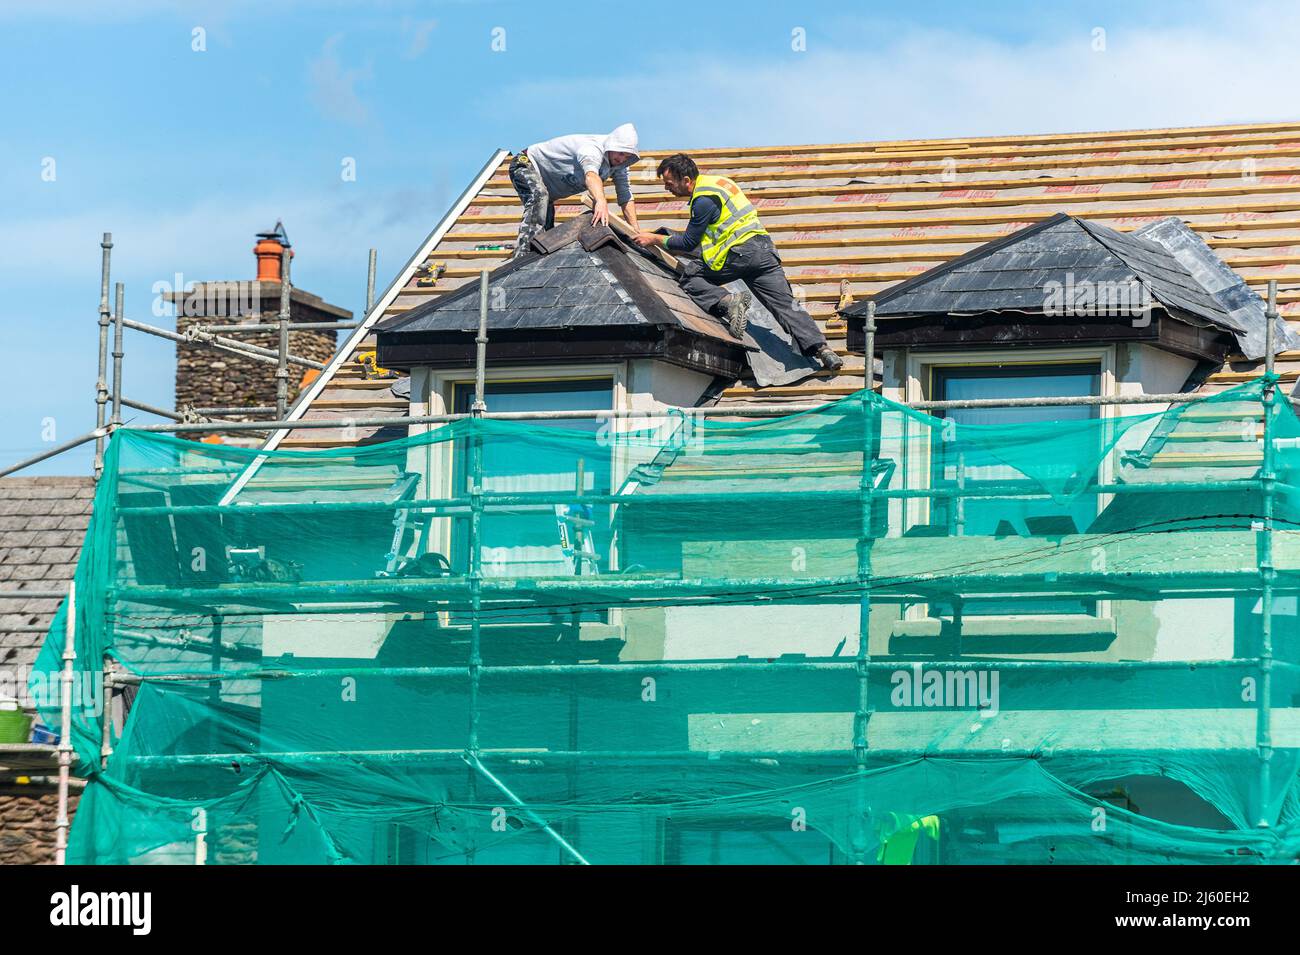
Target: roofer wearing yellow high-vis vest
{"points": [[733, 245]]}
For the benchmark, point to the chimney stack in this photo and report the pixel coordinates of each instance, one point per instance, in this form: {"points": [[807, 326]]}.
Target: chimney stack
{"points": [[214, 379]]}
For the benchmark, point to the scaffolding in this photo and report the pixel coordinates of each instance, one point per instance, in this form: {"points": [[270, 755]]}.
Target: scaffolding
{"points": [[109, 392], [480, 600]]}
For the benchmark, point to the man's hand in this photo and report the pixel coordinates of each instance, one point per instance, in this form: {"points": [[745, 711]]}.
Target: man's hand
{"points": [[647, 239], [599, 207]]}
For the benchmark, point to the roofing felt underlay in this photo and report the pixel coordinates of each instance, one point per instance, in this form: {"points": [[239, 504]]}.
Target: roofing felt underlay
{"points": [[852, 219]]}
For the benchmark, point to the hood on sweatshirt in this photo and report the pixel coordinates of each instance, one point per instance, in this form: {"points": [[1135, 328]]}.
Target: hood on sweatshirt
{"points": [[623, 139]]}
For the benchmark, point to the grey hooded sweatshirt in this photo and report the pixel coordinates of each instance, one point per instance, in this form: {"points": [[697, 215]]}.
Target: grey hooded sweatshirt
{"points": [[563, 162]]}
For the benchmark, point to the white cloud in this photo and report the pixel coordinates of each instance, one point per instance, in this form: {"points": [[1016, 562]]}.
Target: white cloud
{"points": [[1231, 66], [418, 32], [334, 87]]}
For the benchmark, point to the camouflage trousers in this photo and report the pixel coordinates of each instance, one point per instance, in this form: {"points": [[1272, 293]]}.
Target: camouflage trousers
{"points": [[539, 210]]}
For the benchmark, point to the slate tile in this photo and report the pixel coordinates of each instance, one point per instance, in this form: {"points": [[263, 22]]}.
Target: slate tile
{"points": [[532, 298], [59, 554], [23, 571]]}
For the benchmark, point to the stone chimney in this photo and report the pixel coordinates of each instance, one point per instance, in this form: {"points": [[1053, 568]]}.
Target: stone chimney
{"points": [[207, 378]]}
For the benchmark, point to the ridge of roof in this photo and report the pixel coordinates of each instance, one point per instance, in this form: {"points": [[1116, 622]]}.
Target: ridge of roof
{"points": [[844, 243], [47, 480], [1011, 139], [381, 304], [1131, 249], [364, 327]]}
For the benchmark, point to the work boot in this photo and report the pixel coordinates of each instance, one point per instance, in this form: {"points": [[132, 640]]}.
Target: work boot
{"points": [[738, 312], [830, 361]]}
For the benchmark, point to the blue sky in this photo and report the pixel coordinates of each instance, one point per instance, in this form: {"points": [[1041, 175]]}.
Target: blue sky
{"points": [[184, 154]]}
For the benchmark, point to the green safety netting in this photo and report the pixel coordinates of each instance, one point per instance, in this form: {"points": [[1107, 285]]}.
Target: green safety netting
{"points": [[638, 640]]}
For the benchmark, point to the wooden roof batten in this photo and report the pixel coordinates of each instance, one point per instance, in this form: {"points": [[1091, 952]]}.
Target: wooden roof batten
{"points": [[858, 218]]}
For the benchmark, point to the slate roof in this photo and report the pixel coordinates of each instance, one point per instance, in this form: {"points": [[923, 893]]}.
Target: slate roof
{"points": [[1182, 273], [852, 219], [1013, 274], [43, 522], [531, 297], [579, 276]]}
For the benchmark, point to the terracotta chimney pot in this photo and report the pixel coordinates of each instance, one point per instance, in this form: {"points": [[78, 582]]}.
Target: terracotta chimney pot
{"points": [[269, 248], [268, 253]]}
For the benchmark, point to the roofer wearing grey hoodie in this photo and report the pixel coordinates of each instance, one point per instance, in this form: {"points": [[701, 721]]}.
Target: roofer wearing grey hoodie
{"points": [[565, 166]]}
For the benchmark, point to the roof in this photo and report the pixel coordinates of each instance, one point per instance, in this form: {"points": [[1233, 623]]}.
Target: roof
{"points": [[1095, 271], [852, 219], [1246, 308], [43, 522], [580, 291], [1011, 273], [579, 276]]}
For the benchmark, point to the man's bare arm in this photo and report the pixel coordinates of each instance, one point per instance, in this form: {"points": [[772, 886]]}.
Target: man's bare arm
{"points": [[629, 213]]}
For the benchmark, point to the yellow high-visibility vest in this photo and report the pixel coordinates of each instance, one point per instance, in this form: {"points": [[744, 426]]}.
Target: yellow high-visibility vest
{"points": [[898, 845], [738, 222]]}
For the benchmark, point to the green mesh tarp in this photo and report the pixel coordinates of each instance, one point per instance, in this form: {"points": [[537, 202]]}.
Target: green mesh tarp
{"points": [[860, 634]]}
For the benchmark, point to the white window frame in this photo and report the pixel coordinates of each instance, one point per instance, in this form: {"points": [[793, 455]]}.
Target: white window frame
{"points": [[919, 368], [437, 389]]}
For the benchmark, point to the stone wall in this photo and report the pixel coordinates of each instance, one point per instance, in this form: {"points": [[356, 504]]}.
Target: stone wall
{"points": [[209, 378], [27, 815]]}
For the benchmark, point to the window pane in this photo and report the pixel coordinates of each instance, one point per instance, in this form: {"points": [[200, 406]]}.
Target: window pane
{"points": [[999, 516], [530, 540], [581, 395], [741, 844]]}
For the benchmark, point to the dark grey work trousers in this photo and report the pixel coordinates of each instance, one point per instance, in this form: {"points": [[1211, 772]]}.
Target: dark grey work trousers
{"points": [[539, 208], [756, 263]]}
